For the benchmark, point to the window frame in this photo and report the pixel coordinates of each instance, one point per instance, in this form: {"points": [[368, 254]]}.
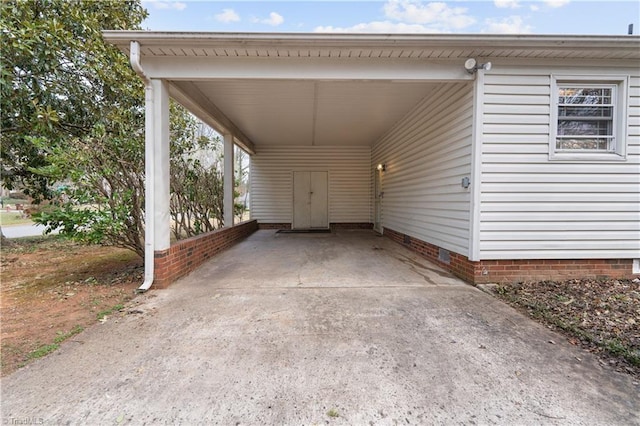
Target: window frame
{"points": [[619, 85]]}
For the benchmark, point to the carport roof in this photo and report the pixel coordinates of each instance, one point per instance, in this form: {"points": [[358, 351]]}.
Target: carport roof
{"points": [[432, 46], [284, 89]]}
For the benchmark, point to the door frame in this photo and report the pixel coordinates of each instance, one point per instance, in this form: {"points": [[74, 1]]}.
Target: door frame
{"points": [[378, 195]]}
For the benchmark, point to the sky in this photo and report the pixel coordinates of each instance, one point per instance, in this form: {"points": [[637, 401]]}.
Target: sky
{"points": [[397, 16]]}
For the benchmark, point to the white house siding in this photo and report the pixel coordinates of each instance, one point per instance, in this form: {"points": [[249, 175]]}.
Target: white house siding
{"points": [[427, 154], [349, 181], [534, 208]]}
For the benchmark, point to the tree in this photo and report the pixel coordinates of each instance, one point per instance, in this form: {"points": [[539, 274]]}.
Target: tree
{"points": [[241, 183], [104, 202], [73, 111], [197, 192], [60, 83], [59, 80]]}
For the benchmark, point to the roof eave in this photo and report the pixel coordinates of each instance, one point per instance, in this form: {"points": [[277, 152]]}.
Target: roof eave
{"points": [[627, 45]]}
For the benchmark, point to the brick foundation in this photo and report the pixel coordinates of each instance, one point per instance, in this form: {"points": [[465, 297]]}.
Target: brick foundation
{"points": [[501, 271], [186, 255], [356, 225], [510, 271], [274, 225]]}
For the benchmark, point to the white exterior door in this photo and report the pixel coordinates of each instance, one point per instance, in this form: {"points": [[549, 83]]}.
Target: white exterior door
{"points": [[310, 200]]}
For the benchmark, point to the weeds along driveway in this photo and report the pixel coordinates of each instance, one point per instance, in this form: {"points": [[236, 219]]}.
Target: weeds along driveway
{"points": [[345, 328]]}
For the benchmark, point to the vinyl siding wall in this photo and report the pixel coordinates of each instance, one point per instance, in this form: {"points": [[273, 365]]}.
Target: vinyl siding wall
{"points": [[349, 181], [427, 154], [536, 208]]}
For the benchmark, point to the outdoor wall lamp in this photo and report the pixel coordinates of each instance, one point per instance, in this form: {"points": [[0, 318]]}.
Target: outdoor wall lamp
{"points": [[382, 167], [472, 66]]}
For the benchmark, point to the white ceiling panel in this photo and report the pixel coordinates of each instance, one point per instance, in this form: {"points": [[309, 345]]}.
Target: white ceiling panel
{"points": [[267, 111], [358, 113], [273, 112]]}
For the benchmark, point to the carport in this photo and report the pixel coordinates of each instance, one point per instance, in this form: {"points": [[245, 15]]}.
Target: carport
{"points": [[308, 108], [444, 143]]}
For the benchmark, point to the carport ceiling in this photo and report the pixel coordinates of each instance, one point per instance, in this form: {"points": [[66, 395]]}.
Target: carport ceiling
{"points": [[285, 112]]}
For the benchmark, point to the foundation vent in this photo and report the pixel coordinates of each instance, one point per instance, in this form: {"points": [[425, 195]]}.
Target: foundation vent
{"points": [[444, 256], [407, 239]]}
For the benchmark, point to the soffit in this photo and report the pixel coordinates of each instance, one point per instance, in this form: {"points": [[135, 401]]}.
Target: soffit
{"points": [[312, 113]]}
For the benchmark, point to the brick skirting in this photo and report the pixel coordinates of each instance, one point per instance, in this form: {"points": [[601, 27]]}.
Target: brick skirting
{"points": [[274, 225], [510, 271], [348, 225], [186, 255]]}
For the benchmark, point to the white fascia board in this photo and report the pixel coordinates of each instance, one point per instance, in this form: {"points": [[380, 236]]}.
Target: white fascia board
{"points": [[397, 69], [315, 40], [189, 96]]}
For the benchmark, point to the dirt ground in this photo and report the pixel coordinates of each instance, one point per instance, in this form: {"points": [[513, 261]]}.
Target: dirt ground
{"points": [[602, 316], [52, 289]]}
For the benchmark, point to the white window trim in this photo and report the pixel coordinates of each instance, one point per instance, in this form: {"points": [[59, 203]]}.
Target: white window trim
{"points": [[620, 118]]}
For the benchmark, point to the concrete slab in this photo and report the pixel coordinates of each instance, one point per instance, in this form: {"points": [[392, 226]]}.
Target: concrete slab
{"points": [[343, 328], [20, 231]]}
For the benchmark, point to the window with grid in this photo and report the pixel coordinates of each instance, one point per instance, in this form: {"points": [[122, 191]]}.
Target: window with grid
{"points": [[588, 118]]}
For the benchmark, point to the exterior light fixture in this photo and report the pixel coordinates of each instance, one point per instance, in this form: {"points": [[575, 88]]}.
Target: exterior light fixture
{"points": [[382, 167], [472, 66]]}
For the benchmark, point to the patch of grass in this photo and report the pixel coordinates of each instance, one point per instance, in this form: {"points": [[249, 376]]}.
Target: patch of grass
{"points": [[8, 200], [32, 244], [61, 337], [43, 350], [109, 311], [64, 336], [9, 219], [333, 413], [618, 348]]}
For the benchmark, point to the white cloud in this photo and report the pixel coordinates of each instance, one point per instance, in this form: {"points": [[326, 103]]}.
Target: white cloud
{"points": [[506, 4], [509, 25], [227, 15], [556, 3], [438, 14], [164, 5], [534, 7], [274, 20], [411, 16], [385, 27]]}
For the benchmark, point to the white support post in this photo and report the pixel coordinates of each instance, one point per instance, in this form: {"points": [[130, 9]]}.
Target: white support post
{"points": [[228, 180], [162, 221], [476, 166]]}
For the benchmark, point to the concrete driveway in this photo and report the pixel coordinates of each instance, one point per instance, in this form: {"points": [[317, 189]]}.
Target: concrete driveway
{"points": [[342, 328], [19, 231]]}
